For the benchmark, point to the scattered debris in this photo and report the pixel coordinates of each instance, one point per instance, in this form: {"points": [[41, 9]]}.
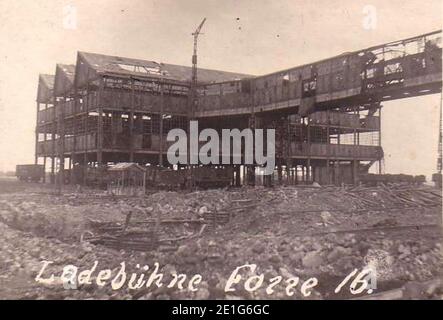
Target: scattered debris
{"points": [[323, 231]]}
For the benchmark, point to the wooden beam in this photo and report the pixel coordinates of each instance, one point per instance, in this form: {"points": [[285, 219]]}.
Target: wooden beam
{"points": [[162, 105], [100, 124], [131, 123], [36, 136]]}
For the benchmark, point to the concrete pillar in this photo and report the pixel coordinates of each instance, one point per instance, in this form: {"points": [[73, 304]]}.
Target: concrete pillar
{"points": [[162, 105], [36, 135], [355, 171], [237, 176], [52, 169], [279, 174], [100, 125], [251, 175]]}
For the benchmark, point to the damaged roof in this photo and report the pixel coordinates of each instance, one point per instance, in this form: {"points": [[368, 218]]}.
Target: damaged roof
{"points": [[105, 64], [48, 80], [64, 78], [69, 70], [45, 88]]}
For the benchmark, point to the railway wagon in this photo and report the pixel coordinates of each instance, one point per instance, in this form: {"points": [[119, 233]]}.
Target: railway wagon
{"points": [[374, 179], [30, 172], [95, 177], [208, 177], [160, 178], [164, 178], [204, 178]]}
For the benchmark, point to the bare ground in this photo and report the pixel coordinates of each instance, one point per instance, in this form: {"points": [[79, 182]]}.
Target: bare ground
{"points": [[288, 231]]}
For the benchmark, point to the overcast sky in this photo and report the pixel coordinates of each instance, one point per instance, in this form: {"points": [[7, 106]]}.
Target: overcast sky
{"points": [[247, 36]]}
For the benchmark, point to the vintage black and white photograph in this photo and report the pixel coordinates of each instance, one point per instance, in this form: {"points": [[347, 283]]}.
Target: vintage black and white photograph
{"points": [[221, 150]]}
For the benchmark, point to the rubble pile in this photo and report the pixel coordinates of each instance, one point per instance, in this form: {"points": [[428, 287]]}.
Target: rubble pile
{"points": [[322, 232]]}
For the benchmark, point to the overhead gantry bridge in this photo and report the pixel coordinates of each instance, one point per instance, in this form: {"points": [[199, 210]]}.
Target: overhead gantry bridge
{"points": [[396, 70], [326, 114]]}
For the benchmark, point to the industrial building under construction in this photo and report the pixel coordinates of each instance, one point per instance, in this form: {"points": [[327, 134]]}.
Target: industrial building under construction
{"points": [[106, 109]]}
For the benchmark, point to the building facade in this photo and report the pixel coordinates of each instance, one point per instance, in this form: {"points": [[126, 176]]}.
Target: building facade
{"points": [[326, 115]]}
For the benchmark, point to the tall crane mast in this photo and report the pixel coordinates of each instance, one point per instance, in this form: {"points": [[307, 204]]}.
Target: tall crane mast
{"points": [[192, 99], [194, 56]]}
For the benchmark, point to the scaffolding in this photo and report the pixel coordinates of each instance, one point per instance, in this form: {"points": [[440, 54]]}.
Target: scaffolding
{"points": [[106, 109]]}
